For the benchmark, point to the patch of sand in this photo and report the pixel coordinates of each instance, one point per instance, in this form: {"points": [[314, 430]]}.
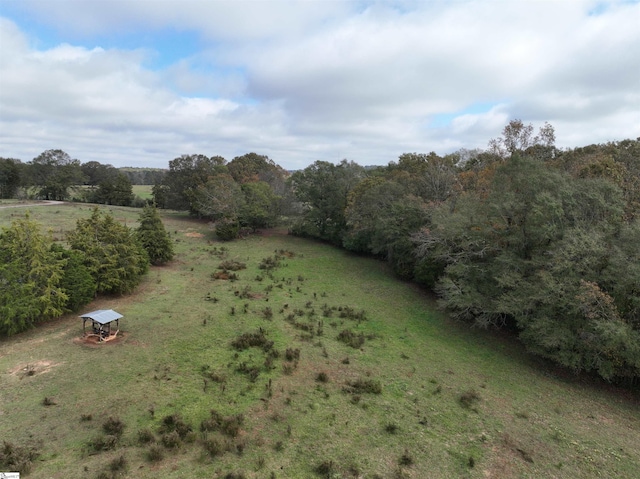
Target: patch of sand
{"points": [[33, 368]]}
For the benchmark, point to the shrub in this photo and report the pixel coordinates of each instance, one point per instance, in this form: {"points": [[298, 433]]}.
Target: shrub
{"points": [[269, 263], [231, 425], [175, 423], [231, 265], [406, 459], [252, 371], [213, 446], [227, 229], [391, 428], [118, 464], [17, 458], [361, 386], [351, 338], [155, 454], [113, 427], [248, 340], [322, 377], [469, 399], [325, 469], [103, 443], [292, 354], [145, 436], [47, 401], [235, 475], [171, 440]]}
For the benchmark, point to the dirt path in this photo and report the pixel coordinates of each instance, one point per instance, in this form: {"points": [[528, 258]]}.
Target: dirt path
{"points": [[41, 203]]}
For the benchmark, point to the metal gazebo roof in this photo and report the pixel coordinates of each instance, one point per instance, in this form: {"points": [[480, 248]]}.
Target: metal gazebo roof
{"points": [[102, 316]]}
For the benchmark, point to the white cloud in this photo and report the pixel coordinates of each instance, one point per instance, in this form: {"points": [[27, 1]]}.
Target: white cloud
{"points": [[307, 80]]}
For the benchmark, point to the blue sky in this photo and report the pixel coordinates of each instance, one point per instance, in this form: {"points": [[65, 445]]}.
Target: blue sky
{"points": [[138, 83]]}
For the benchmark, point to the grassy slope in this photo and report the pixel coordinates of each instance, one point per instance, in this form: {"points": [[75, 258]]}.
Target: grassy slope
{"points": [[528, 422]]}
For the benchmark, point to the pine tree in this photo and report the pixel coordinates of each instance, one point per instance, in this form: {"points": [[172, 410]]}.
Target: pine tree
{"points": [[76, 281], [112, 252], [153, 236], [30, 274]]}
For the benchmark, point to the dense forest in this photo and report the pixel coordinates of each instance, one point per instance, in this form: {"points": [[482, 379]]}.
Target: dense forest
{"points": [[522, 236]]}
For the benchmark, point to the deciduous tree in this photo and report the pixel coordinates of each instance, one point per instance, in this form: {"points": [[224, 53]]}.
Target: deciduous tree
{"points": [[53, 172]]}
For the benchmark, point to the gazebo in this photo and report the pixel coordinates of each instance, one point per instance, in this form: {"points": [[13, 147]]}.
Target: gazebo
{"points": [[101, 320]]}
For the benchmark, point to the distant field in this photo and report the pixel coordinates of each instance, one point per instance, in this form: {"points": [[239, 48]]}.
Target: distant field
{"points": [[398, 391], [143, 191]]}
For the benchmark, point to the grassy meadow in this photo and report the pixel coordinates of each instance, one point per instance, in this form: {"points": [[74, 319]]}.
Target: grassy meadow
{"points": [[143, 191], [346, 373]]}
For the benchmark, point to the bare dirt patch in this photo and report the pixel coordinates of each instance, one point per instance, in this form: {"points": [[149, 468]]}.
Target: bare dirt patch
{"points": [[193, 234], [32, 368], [92, 340]]}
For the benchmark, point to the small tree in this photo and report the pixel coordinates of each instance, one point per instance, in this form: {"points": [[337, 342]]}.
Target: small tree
{"points": [[227, 229], [153, 236]]}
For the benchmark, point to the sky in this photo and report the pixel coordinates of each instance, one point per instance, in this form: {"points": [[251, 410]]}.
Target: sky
{"points": [[139, 83]]}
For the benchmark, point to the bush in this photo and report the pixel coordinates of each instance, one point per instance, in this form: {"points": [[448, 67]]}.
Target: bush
{"points": [[230, 265], [227, 229], [145, 436], [391, 428], [171, 440], [362, 386], [292, 354], [155, 454], [213, 446], [17, 458], [103, 443], [247, 340], [118, 464], [325, 469], [231, 425], [352, 339], [113, 427], [406, 459], [469, 399], [175, 423]]}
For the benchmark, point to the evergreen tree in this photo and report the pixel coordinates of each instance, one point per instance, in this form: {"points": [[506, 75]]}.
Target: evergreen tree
{"points": [[112, 252], [76, 282], [153, 236], [30, 274]]}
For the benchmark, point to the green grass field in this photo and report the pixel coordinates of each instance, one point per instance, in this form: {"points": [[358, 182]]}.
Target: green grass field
{"points": [[143, 191], [418, 396]]}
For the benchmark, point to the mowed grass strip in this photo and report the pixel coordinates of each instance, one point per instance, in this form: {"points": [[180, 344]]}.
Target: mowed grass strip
{"points": [[418, 396]]}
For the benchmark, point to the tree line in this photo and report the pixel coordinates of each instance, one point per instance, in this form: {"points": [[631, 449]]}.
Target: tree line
{"points": [[521, 236], [40, 279], [54, 175]]}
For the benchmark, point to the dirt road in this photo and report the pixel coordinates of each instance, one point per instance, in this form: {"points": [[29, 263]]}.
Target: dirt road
{"points": [[40, 203]]}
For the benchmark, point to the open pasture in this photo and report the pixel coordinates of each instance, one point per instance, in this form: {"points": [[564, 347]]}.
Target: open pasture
{"points": [[275, 356]]}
